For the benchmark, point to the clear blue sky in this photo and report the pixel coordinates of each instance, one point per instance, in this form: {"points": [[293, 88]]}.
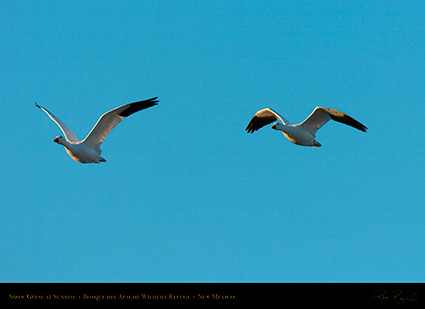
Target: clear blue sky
{"points": [[186, 195]]}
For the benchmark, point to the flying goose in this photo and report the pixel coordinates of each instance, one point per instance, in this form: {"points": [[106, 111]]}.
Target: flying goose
{"points": [[88, 150], [302, 133]]}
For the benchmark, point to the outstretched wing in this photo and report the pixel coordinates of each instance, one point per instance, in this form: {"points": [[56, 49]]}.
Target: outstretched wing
{"points": [[263, 117], [69, 135], [108, 121], [321, 115]]}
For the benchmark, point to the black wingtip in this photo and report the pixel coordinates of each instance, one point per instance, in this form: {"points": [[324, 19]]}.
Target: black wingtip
{"points": [[249, 129], [37, 104], [359, 126], [154, 100], [138, 106], [349, 121]]}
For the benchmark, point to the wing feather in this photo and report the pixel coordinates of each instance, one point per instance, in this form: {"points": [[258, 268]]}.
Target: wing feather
{"points": [[109, 120], [344, 118], [69, 135], [263, 117], [321, 115]]}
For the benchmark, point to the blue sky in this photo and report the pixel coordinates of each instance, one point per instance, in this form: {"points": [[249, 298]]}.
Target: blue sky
{"points": [[186, 195]]}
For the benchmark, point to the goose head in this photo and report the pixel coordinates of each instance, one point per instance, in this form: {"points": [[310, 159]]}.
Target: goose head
{"points": [[277, 126], [59, 140]]}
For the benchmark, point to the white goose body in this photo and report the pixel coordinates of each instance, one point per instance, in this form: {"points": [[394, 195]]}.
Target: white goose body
{"points": [[81, 153], [88, 150], [304, 133], [297, 136]]}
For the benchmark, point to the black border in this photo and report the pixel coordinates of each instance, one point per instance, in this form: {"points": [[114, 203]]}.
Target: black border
{"points": [[275, 295]]}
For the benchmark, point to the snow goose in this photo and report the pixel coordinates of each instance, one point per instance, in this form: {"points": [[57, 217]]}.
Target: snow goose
{"points": [[304, 133], [88, 150]]}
